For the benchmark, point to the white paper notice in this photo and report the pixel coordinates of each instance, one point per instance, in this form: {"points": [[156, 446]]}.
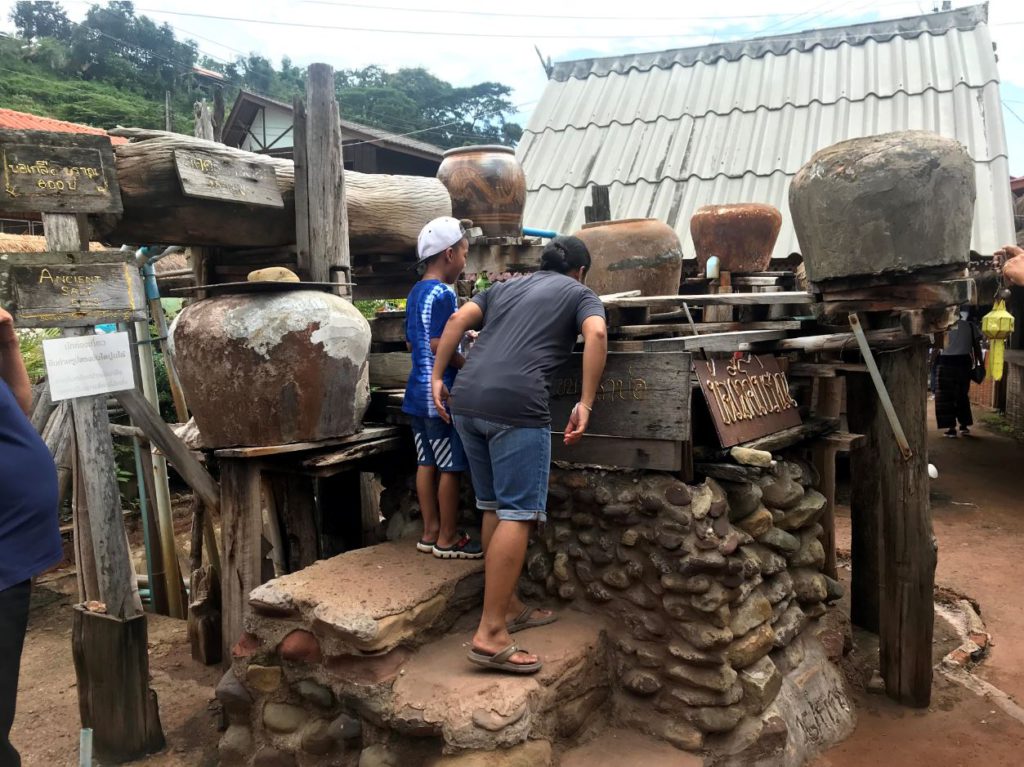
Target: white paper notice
{"points": [[81, 366]]}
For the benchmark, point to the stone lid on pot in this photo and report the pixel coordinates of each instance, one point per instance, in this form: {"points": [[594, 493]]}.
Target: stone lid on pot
{"points": [[479, 148]]}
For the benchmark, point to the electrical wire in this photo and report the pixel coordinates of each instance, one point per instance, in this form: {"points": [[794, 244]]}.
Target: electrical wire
{"points": [[456, 33], [571, 17]]}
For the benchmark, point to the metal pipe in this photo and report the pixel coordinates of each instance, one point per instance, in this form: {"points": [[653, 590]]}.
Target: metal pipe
{"points": [[883, 393], [144, 508], [85, 747]]}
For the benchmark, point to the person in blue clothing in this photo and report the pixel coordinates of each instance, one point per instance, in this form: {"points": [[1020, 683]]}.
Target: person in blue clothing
{"points": [[442, 249], [29, 535]]}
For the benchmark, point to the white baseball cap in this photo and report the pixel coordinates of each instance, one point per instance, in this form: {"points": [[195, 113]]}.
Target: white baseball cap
{"points": [[437, 236]]}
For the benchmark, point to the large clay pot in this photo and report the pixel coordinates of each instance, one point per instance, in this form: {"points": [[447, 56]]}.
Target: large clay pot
{"points": [[273, 368], [742, 235], [897, 202], [633, 254], [487, 185]]}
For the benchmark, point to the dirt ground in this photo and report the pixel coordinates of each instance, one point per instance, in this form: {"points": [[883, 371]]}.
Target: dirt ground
{"points": [[979, 523]]}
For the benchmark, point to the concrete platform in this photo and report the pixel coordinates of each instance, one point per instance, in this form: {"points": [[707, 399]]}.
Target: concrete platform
{"points": [[368, 601], [438, 692]]}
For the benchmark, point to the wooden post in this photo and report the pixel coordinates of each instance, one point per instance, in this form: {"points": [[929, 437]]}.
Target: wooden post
{"points": [[601, 209], [114, 698], [110, 650], [864, 414], [908, 546], [320, 182], [829, 405], [241, 533]]}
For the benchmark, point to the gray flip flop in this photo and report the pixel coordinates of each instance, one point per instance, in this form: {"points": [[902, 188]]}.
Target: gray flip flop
{"points": [[500, 661], [523, 621]]}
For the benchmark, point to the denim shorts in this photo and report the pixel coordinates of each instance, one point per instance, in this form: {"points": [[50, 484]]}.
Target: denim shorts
{"points": [[438, 444], [509, 466]]}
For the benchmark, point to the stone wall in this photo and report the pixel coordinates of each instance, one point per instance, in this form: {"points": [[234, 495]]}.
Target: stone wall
{"points": [[708, 586], [684, 609]]}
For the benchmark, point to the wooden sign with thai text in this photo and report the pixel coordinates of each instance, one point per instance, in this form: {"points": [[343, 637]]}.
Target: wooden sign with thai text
{"points": [[641, 415], [211, 176], [748, 398], [60, 290], [48, 172]]}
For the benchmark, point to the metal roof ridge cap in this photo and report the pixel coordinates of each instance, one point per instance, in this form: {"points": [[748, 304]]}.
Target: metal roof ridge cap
{"points": [[734, 50]]}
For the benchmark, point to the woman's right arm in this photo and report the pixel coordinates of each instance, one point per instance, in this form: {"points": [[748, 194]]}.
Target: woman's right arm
{"points": [[469, 317]]}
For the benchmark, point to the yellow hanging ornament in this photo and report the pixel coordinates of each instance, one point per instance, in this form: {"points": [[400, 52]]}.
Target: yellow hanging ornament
{"points": [[997, 326]]}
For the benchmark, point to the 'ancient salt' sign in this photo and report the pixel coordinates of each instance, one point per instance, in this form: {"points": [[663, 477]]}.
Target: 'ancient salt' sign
{"points": [[58, 173], [213, 176], [748, 398], [60, 290], [82, 366]]}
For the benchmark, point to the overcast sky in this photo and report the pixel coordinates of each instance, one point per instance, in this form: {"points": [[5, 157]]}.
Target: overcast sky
{"points": [[496, 39]]}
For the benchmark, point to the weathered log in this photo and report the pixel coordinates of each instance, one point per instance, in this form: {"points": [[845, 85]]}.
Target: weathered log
{"points": [[385, 212]]}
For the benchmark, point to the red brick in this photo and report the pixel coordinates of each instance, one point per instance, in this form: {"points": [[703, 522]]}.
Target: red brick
{"points": [[300, 647], [246, 646]]}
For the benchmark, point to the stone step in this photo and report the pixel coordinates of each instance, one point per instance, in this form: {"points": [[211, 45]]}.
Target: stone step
{"points": [[438, 693], [367, 601]]}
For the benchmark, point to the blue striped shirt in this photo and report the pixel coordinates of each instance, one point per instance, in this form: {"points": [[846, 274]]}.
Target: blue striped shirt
{"points": [[427, 310]]}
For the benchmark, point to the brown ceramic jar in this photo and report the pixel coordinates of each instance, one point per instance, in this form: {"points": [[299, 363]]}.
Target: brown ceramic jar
{"points": [[633, 254], [742, 235], [273, 368], [487, 185]]}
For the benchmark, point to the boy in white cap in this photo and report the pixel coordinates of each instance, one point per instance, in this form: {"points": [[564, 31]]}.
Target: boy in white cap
{"points": [[442, 249]]}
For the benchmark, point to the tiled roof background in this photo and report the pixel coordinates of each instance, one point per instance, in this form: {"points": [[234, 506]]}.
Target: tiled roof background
{"points": [[11, 120]]}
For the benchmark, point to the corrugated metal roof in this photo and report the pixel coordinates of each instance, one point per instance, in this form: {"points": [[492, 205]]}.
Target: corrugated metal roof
{"points": [[12, 120], [672, 131]]}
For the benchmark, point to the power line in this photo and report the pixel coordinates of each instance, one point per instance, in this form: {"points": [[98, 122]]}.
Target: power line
{"points": [[572, 17], [450, 33], [1008, 109]]}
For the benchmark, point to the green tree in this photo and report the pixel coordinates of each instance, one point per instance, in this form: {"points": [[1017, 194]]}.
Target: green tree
{"points": [[41, 19]]}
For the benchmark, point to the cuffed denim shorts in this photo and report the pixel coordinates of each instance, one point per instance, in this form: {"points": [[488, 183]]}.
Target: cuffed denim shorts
{"points": [[437, 444], [509, 466]]}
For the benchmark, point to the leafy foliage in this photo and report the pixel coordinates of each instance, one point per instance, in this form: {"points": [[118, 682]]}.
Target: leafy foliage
{"points": [[30, 344], [116, 66]]}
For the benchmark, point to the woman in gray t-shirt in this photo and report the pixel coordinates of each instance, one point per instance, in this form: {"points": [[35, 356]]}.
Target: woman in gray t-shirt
{"points": [[528, 328]]}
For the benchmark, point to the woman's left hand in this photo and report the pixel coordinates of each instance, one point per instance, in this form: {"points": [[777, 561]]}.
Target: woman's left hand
{"points": [[577, 426]]}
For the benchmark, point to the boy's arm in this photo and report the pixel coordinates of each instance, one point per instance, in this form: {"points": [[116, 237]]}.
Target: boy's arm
{"points": [[469, 317]]}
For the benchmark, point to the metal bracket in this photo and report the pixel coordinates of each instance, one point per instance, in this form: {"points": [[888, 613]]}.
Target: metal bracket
{"points": [[883, 394]]}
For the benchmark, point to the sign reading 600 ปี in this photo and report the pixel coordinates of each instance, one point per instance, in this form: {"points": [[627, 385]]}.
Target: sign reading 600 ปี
{"points": [[57, 173]]}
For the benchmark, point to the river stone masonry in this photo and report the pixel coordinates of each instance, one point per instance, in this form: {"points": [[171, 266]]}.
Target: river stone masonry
{"points": [[707, 587], [683, 611]]}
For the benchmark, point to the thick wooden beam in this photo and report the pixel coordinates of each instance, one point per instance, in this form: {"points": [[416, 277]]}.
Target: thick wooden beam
{"points": [[864, 415], [908, 545]]}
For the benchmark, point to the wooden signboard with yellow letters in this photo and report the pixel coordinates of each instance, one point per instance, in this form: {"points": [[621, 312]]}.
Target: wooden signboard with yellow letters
{"points": [[63, 290], [212, 176], [57, 173], [748, 398]]}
